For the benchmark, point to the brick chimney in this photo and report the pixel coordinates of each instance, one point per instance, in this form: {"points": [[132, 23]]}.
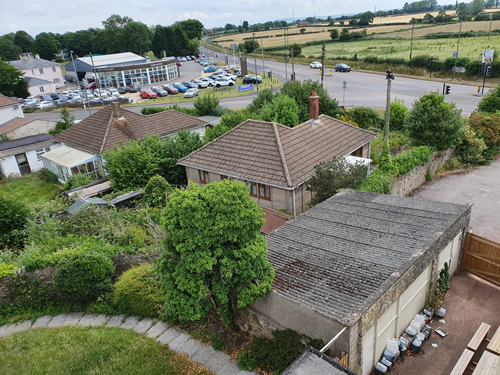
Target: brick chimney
{"points": [[115, 107], [314, 106]]}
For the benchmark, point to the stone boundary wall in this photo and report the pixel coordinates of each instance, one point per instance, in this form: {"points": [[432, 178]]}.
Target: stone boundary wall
{"points": [[122, 263], [406, 184]]}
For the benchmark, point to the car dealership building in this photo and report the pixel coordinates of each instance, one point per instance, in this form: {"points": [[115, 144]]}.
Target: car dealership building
{"points": [[123, 69]]}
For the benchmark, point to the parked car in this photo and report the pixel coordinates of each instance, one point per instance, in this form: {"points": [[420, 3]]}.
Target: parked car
{"points": [[209, 69], [191, 93], [201, 84], [252, 78], [54, 96], [148, 94], [124, 99], [180, 87], [316, 65], [29, 103], [342, 68], [114, 92], [212, 63], [188, 58], [46, 104], [223, 81], [159, 91], [109, 99], [45, 98], [91, 85], [208, 80], [193, 57], [123, 90], [190, 85], [171, 90], [178, 63], [63, 99], [237, 72], [230, 76]]}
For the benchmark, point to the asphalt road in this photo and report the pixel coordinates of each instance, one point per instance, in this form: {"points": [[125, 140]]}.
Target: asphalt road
{"points": [[362, 89]]}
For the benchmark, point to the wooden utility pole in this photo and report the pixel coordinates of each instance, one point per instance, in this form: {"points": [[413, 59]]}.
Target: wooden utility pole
{"points": [[323, 64]]}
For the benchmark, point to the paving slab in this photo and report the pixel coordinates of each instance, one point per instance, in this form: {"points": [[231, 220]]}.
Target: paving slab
{"points": [[115, 321], [217, 361], [203, 355], [230, 368], [72, 319], [57, 321], [6, 330], [191, 347], [176, 343], [167, 336], [100, 320], [130, 323], [144, 325], [157, 330], [41, 322], [245, 372], [19, 327], [88, 320]]}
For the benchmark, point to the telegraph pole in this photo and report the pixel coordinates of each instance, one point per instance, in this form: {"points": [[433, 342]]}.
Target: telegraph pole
{"points": [[389, 76], [323, 64], [411, 45], [458, 45]]}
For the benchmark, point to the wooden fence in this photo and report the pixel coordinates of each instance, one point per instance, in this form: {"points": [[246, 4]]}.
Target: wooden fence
{"points": [[482, 258]]}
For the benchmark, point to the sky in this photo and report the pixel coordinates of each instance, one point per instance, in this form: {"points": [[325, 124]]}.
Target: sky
{"points": [[59, 16]]}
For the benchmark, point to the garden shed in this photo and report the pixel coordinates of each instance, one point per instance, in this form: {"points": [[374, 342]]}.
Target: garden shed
{"points": [[360, 261]]}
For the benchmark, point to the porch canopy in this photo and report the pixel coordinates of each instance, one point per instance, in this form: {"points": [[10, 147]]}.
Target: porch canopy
{"points": [[66, 161], [69, 157]]}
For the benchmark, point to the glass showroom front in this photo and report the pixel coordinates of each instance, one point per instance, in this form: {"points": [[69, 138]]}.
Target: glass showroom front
{"points": [[140, 76]]}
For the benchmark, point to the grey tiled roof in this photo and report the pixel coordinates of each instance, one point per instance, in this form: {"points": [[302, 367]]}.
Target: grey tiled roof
{"points": [[340, 254], [32, 64], [276, 154], [20, 145], [102, 131], [33, 81]]}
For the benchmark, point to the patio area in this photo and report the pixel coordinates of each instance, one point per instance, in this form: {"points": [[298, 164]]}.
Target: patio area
{"points": [[469, 302]]}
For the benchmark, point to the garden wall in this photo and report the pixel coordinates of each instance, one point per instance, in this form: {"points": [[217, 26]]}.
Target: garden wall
{"points": [[406, 184], [122, 263]]}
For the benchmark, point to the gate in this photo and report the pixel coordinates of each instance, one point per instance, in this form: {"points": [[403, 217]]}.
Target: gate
{"points": [[482, 258]]}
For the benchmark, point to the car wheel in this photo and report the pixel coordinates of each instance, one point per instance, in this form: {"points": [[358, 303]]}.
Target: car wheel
{"points": [[218, 85], [231, 84]]}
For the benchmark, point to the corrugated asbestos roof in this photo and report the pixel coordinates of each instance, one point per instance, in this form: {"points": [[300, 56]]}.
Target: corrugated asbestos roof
{"points": [[338, 255], [275, 154], [105, 129]]}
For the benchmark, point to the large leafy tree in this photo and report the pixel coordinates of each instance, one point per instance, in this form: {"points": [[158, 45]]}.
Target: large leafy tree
{"points": [[192, 28], [46, 45], [301, 91], [10, 79], [136, 38], [8, 50], [214, 253], [434, 122], [24, 41], [282, 109]]}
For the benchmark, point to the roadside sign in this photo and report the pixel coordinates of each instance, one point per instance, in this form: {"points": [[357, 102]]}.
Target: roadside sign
{"points": [[248, 87], [455, 54], [345, 84], [222, 45], [458, 69], [233, 46], [488, 56]]}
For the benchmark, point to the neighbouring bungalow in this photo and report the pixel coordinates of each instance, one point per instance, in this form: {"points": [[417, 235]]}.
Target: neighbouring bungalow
{"points": [[84, 143], [276, 161], [359, 264]]}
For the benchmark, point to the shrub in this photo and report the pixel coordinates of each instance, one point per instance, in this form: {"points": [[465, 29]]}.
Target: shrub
{"points": [[217, 341], [48, 176], [78, 180], [282, 109], [84, 277], [7, 269], [155, 194], [13, 215], [206, 105], [228, 121], [471, 147], [138, 291], [490, 102], [366, 117], [397, 115], [407, 160], [28, 293]]}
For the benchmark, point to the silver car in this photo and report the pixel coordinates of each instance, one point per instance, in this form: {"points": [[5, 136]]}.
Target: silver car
{"points": [[201, 84], [191, 93]]}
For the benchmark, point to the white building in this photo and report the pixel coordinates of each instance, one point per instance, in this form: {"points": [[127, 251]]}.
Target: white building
{"points": [[9, 109]]}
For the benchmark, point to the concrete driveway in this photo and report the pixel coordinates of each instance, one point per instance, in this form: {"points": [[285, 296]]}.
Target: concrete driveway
{"points": [[481, 187]]}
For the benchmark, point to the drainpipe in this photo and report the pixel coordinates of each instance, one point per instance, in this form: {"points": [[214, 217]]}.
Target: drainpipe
{"points": [[332, 340], [293, 197]]}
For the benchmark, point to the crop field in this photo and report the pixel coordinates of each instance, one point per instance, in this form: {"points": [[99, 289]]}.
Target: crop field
{"points": [[471, 47]]}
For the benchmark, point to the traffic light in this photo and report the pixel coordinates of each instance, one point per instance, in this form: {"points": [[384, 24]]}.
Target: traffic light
{"points": [[483, 69], [292, 77], [448, 87], [488, 70], [429, 61]]}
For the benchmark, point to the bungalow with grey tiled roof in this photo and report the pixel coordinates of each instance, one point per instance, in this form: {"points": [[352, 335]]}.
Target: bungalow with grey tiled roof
{"points": [[276, 161], [85, 142], [359, 264]]}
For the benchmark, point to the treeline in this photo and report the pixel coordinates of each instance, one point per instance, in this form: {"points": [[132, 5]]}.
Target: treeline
{"points": [[119, 34]]}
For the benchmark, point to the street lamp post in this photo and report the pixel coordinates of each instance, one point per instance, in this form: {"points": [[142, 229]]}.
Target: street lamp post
{"points": [[255, 63], [390, 77], [78, 83]]}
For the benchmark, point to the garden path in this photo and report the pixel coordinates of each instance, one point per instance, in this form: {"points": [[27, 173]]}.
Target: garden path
{"points": [[178, 341]]}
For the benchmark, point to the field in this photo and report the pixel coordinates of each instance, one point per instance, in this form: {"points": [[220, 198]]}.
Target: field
{"points": [[392, 40]]}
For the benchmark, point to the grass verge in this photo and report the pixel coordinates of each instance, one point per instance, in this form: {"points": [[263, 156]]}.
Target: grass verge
{"points": [[90, 350], [30, 189]]}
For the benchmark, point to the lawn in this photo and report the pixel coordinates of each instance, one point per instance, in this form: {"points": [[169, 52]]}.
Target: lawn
{"points": [[90, 350], [30, 189]]}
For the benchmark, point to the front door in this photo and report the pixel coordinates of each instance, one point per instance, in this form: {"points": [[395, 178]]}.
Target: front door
{"points": [[22, 162]]}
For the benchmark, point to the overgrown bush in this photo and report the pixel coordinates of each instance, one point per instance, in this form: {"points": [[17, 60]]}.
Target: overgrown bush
{"points": [[79, 180], [7, 269], [84, 277], [408, 160], [397, 115], [228, 121], [366, 118], [471, 147], [206, 105], [490, 102], [282, 109], [13, 216], [156, 191], [138, 291], [487, 128], [274, 355], [48, 176]]}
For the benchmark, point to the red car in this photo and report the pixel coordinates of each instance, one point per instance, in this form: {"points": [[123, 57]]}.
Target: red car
{"points": [[171, 90], [92, 85], [178, 63], [148, 94]]}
